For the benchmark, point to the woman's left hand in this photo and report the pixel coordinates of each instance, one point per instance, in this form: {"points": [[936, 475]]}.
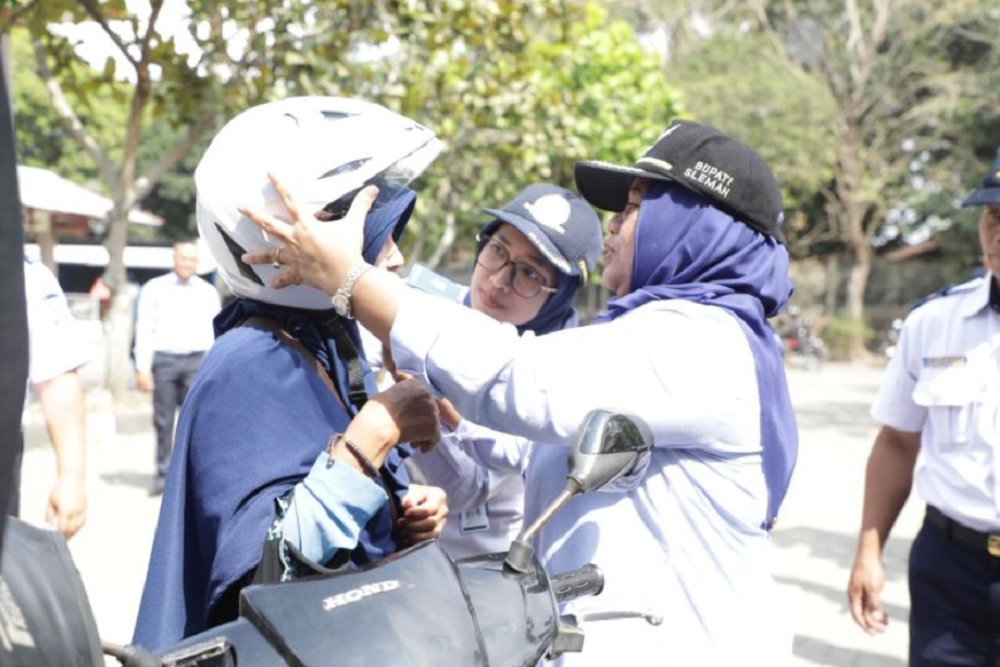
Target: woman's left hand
{"points": [[314, 252], [425, 513]]}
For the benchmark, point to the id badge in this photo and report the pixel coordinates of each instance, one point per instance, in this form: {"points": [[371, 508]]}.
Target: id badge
{"points": [[474, 520]]}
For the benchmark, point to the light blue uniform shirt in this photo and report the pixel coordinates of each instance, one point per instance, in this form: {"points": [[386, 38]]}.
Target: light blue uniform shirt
{"points": [[687, 543], [482, 472], [944, 382]]}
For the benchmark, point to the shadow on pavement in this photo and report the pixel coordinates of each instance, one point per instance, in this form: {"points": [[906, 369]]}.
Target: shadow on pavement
{"points": [[846, 418], [839, 549], [128, 478], [129, 423], [824, 653], [838, 595]]}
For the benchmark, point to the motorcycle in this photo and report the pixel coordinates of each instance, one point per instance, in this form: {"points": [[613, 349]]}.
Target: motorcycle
{"points": [[418, 607], [802, 347], [890, 339]]}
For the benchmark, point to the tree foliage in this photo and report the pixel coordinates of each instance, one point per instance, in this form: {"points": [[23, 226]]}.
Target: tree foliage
{"points": [[732, 80], [232, 53], [902, 98], [518, 89]]}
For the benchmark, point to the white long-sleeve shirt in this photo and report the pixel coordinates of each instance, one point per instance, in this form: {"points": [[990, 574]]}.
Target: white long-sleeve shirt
{"points": [[687, 542], [174, 316], [482, 472], [480, 469]]}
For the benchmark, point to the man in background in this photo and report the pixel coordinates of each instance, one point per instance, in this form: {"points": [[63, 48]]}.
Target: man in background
{"points": [[940, 397], [173, 330]]}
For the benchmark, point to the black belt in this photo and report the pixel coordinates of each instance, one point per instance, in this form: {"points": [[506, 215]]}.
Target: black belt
{"points": [[989, 542]]}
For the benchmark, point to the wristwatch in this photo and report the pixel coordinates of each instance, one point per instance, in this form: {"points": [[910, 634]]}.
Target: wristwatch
{"points": [[342, 298]]}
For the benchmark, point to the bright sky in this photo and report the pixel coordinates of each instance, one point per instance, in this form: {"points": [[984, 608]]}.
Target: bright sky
{"points": [[96, 47]]}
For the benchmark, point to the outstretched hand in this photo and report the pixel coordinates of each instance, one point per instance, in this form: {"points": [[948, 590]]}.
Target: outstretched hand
{"points": [[314, 252]]}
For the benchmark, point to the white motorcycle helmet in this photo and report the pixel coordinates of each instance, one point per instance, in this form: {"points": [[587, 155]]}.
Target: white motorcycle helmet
{"points": [[324, 149]]}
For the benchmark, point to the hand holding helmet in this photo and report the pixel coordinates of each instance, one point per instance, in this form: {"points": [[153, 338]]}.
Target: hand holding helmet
{"points": [[326, 151], [303, 236]]}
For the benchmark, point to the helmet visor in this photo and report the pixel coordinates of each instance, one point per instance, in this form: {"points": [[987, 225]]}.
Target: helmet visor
{"points": [[391, 182]]}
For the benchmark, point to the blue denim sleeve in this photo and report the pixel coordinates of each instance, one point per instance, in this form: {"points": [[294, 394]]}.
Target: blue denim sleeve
{"points": [[329, 508]]}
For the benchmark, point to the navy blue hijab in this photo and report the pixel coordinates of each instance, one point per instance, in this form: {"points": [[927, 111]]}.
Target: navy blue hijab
{"points": [[687, 249], [255, 419], [558, 311], [390, 218]]}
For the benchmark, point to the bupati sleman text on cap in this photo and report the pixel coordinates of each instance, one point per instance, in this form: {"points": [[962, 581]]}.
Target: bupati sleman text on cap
{"points": [[710, 175]]}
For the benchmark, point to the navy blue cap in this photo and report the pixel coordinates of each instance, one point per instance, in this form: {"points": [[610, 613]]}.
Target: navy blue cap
{"points": [[989, 191], [558, 222]]}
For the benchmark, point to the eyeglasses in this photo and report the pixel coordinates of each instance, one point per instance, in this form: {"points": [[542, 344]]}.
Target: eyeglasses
{"points": [[524, 280]]}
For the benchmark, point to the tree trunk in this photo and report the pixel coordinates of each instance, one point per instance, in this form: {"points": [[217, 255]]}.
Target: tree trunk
{"points": [[119, 342], [832, 289], [45, 238], [857, 281], [120, 315]]}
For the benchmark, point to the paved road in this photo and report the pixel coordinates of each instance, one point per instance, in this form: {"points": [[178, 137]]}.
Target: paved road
{"points": [[814, 541]]}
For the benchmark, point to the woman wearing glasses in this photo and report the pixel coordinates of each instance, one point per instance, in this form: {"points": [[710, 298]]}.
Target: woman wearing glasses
{"points": [[531, 259]]}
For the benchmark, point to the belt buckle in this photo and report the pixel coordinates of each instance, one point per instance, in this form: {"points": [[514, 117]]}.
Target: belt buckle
{"points": [[993, 545]]}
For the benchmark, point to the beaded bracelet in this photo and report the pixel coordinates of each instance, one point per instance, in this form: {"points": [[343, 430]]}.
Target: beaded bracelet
{"points": [[365, 462]]}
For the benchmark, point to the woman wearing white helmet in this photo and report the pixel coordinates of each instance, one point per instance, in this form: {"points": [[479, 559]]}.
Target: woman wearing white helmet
{"points": [[279, 462]]}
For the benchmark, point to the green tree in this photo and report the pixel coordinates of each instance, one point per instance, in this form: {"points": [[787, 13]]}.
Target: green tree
{"points": [[518, 90], [735, 82], [901, 88], [237, 50]]}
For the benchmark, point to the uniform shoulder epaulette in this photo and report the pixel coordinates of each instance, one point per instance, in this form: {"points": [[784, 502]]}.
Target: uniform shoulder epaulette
{"points": [[949, 290]]}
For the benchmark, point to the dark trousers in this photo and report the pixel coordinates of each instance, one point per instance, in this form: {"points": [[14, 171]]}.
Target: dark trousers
{"points": [[954, 602], [172, 377]]}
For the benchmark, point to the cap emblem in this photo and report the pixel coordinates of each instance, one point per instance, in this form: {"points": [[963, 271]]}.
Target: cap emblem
{"points": [[552, 211]]}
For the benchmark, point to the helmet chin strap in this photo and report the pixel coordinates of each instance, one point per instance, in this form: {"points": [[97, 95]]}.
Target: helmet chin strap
{"points": [[333, 325]]}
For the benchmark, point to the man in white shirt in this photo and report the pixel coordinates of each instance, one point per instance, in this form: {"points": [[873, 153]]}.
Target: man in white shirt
{"points": [[940, 396], [173, 330]]}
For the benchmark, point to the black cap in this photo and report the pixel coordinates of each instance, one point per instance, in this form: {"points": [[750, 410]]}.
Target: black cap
{"points": [[729, 174], [989, 191]]}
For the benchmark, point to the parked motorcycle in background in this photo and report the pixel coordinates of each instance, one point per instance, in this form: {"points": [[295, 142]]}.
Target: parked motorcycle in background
{"points": [[800, 344], [890, 339], [416, 608]]}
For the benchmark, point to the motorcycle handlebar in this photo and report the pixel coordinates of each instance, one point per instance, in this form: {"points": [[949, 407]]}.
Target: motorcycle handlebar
{"points": [[587, 580]]}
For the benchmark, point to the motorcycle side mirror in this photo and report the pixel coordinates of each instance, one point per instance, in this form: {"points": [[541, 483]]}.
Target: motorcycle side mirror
{"points": [[608, 445]]}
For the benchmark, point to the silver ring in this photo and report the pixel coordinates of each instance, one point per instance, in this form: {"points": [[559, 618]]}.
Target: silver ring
{"points": [[274, 260]]}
